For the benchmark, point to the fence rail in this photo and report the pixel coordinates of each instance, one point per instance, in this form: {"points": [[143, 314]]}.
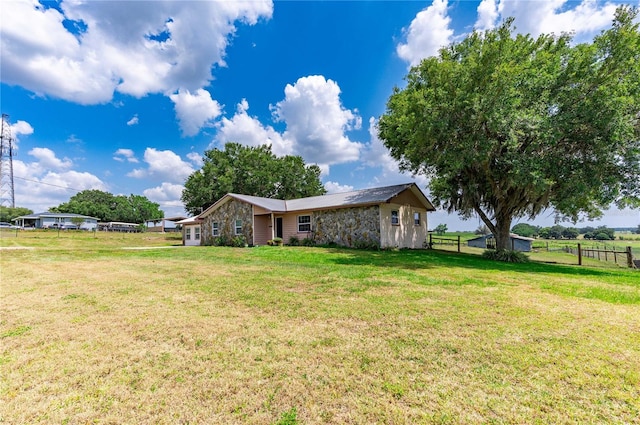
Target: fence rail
{"points": [[619, 257], [441, 240]]}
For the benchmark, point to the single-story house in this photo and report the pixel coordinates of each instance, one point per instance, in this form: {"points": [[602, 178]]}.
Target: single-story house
{"points": [[393, 216], [50, 220], [191, 231], [169, 224], [518, 243]]}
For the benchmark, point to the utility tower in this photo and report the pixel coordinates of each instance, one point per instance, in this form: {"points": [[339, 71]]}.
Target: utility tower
{"points": [[7, 192]]}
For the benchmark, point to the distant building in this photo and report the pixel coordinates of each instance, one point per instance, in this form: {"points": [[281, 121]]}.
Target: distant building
{"points": [[50, 220], [169, 224], [518, 243]]}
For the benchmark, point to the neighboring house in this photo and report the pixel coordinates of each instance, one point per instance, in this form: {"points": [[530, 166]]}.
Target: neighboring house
{"points": [[191, 231], [518, 243], [49, 220], [393, 216], [164, 224]]}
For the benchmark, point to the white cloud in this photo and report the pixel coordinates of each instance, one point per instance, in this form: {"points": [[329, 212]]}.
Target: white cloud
{"points": [[247, 130], [122, 155], [196, 159], [164, 165], [335, 187], [316, 121], [47, 159], [586, 18], [167, 194], [487, 15], [428, 32], [135, 49], [19, 128], [376, 155], [194, 111], [133, 121], [39, 188]]}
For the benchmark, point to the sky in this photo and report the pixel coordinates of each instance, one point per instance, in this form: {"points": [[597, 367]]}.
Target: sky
{"points": [[126, 96]]}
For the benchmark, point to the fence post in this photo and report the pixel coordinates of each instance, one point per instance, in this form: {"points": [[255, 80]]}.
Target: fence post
{"points": [[629, 257], [458, 243], [547, 246], [430, 240], [579, 255]]}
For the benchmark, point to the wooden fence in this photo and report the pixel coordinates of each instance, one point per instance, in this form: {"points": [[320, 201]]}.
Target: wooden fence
{"points": [[441, 240], [619, 257]]}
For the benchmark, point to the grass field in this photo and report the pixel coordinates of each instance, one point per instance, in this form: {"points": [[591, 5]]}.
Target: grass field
{"points": [[91, 332]]}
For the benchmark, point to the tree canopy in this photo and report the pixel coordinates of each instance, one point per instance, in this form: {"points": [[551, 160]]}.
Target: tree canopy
{"points": [[9, 213], [507, 126], [108, 207], [252, 171]]}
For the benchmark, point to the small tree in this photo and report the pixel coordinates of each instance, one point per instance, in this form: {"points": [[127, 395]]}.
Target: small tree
{"points": [[441, 229], [77, 221]]}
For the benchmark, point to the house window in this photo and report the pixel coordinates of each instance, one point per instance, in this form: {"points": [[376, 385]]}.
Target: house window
{"points": [[215, 230], [416, 218], [197, 233], [395, 220], [187, 233], [304, 223], [238, 227]]}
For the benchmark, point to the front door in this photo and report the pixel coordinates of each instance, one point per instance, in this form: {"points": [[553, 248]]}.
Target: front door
{"points": [[279, 227]]}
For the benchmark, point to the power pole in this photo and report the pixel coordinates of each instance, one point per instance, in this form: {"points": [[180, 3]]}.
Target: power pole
{"points": [[7, 191]]}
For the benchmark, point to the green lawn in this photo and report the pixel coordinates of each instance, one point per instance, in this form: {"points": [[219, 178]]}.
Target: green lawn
{"points": [[91, 332]]}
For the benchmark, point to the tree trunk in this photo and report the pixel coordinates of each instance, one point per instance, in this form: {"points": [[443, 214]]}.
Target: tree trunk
{"points": [[502, 234]]}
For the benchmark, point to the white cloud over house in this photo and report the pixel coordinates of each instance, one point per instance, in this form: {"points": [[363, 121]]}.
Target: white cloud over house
{"points": [[316, 124], [247, 130], [194, 110]]}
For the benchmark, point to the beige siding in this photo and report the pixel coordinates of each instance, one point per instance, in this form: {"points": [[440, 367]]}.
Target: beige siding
{"points": [[406, 234], [262, 229], [290, 226]]}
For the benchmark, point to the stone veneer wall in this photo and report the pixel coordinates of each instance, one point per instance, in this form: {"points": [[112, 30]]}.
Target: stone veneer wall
{"points": [[226, 216], [348, 226]]}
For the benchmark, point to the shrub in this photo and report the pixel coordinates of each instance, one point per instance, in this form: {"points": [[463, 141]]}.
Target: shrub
{"points": [[238, 241], [366, 244], [507, 256], [220, 241], [294, 241], [275, 242], [308, 242]]}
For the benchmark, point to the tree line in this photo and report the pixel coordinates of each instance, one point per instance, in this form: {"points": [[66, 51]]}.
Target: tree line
{"points": [[601, 233]]}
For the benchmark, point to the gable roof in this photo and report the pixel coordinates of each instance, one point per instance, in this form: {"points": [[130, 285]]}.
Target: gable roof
{"points": [[372, 196]]}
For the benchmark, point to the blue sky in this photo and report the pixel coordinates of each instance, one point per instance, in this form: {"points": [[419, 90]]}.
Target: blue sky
{"points": [[125, 96]]}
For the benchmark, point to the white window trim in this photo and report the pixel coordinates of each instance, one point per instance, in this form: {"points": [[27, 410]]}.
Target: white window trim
{"points": [[304, 224], [419, 222], [215, 229], [187, 233], [196, 233], [237, 233]]}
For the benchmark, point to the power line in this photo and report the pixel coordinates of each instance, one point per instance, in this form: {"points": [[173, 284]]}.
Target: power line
{"points": [[49, 184]]}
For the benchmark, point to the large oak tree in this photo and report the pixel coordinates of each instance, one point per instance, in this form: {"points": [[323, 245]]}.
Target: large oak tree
{"points": [[507, 126], [249, 170]]}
